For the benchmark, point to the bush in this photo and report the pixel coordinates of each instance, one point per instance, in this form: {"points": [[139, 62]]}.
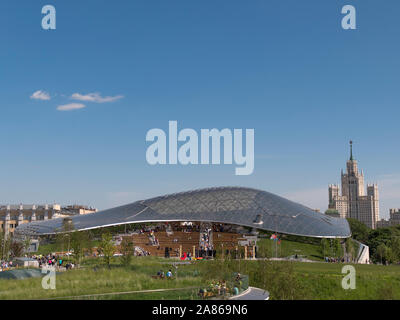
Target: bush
{"points": [[106, 247], [127, 251], [16, 249]]}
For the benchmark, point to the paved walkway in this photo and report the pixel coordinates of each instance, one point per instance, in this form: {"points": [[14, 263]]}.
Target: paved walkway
{"points": [[252, 294], [120, 293]]}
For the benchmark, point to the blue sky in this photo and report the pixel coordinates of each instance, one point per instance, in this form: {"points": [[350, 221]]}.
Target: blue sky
{"points": [[285, 68]]}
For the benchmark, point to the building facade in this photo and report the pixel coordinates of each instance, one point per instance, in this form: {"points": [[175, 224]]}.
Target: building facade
{"points": [[74, 210], [394, 219], [13, 215], [352, 202]]}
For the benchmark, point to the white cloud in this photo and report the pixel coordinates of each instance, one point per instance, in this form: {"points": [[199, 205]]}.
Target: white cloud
{"points": [[71, 106], [94, 97], [40, 95]]}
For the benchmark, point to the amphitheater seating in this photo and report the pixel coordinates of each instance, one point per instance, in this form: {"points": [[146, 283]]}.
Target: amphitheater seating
{"points": [[186, 239]]}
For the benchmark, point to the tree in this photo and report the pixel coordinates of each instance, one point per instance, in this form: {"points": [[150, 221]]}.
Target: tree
{"points": [[332, 212], [359, 230], [63, 238], [127, 251], [325, 247], [2, 242], [107, 247], [16, 248], [380, 236], [5, 243], [337, 248], [79, 242], [389, 255], [351, 248], [26, 243], [381, 252], [395, 245]]}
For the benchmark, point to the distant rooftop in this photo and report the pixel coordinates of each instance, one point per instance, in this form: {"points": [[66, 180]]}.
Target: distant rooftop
{"points": [[27, 206]]}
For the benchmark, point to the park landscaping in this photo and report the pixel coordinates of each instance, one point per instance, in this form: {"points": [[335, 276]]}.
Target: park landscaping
{"points": [[134, 277], [283, 279]]}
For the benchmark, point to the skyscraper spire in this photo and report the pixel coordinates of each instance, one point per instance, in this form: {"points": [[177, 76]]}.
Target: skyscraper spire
{"points": [[353, 201], [351, 150]]}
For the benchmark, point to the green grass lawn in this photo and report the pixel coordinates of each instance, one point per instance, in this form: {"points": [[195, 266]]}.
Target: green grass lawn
{"points": [[290, 248], [323, 281], [284, 280], [90, 280]]}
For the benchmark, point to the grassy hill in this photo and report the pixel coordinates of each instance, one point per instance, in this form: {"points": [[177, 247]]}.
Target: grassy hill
{"points": [[323, 281], [284, 280], [289, 248]]}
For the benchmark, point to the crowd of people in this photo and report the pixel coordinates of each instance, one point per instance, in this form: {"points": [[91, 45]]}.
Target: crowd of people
{"points": [[153, 239], [335, 260], [221, 288], [162, 275], [51, 260], [44, 261], [205, 252], [5, 265], [206, 248], [140, 252], [215, 288]]}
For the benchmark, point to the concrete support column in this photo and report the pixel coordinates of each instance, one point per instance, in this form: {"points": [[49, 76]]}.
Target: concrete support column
{"points": [[180, 251], [33, 217], [245, 252], [194, 251], [7, 218], [46, 212], [21, 214], [254, 252]]}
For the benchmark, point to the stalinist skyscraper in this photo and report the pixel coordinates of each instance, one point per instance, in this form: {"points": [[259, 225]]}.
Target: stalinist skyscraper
{"points": [[353, 203]]}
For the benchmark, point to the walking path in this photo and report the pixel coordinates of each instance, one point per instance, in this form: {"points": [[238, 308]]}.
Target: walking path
{"points": [[119, 293], [252, 294]]}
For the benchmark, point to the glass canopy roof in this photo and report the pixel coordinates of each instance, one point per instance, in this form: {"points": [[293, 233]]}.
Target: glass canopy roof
{"points": [[233, 205]]}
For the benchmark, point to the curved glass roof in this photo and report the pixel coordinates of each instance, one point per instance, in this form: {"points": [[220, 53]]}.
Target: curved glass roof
{"points": [[233, 205]]}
